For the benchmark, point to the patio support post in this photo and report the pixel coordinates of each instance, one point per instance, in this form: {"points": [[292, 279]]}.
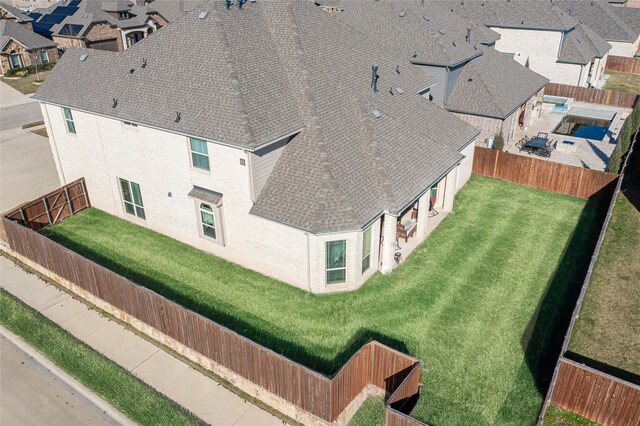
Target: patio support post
{"points": [[388, 242], [450, 189], [423, 214]]}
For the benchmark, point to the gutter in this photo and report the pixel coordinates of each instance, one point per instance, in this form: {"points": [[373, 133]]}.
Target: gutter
{"points": [[228, 144], [449, 65]]}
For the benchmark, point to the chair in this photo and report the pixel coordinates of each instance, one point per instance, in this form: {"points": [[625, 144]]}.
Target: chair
{"points": [[432, 208], [406, 230], [543, 135]]}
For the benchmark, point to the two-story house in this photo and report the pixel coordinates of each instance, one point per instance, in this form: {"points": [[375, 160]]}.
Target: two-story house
{"points": [[271, 139], [11, 13], [483, 87], [604, 20], [542, 37]]}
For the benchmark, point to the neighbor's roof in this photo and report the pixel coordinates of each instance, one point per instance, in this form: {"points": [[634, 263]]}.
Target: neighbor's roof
{"points": [[250, 76], [630, 15], [601, 18], [526, 14], [11, 30], [581, 45], [14, 11], [172, 9], [490, 84]]}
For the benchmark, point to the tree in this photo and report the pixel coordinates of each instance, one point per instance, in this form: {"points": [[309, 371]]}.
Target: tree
{"points": [[498, 142]]}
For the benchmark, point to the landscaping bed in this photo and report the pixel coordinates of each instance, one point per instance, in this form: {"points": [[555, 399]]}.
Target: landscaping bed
{"points": [[607, 332], [484, 302], [114, 384]]}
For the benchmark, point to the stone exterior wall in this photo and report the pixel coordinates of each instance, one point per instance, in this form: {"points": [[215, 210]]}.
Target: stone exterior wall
{"points": [[104, 31], [489, 127], [28, 58], [619, 48], [67, 42], [541, 48], [103, 150], [158, 20]]}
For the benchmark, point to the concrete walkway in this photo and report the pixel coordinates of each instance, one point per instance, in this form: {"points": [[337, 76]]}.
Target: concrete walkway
{"points": [[198, 393], [27, 376]]}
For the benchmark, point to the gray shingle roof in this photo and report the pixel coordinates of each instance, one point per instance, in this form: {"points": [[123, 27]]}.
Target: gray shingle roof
{"points": [[581, 45], [600, 17], [19, 14], [529, 14], [11, 30], [172, 9], [250, 76], [630, 15], [490, 85]]}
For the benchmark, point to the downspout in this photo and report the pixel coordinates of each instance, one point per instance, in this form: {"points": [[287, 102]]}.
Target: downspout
{"points": [[308, 262]]}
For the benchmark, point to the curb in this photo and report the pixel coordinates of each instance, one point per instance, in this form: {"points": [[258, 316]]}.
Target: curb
{"points": [[66, 378]]}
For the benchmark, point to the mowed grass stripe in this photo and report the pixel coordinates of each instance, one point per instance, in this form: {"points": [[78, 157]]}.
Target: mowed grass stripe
{"points": [[461, 303]]}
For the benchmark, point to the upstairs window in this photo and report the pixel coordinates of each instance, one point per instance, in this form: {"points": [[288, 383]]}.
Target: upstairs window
{"points": [[132, 198], [68, 118], [199, 153], [336, 265]]}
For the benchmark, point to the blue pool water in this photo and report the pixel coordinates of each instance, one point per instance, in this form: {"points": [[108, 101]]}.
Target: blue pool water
{"points": [[583, 127], [591, 132]]}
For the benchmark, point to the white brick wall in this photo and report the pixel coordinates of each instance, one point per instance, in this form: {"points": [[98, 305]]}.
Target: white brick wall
{"points": [[541, 48], [104, 150], [619, 48]]}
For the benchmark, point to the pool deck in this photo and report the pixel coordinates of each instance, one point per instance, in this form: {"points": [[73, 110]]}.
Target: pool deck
{"points": [[589, 153]]}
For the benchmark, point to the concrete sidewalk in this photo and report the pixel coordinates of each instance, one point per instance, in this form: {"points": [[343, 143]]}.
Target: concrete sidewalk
{"points": [[198, 393]]}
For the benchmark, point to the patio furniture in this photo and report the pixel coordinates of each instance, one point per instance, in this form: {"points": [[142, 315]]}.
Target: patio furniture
{"points": [[406, 230], [432, 207], [535, 144], [543, 135]]}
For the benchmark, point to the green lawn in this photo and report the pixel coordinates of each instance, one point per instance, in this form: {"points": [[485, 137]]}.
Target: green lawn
{"points": [[370, 414], [608, 328], [483, 302], [557, 416], [623, 82], [113, 383], [25, 84]]}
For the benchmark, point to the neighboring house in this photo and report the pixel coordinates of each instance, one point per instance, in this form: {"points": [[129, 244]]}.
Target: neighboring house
{"points": [[11, 13], [21, 47], [612, 24], [33, 4], [539, 34], [482, 86], [106, 25], [631, 17], [267, 140]]}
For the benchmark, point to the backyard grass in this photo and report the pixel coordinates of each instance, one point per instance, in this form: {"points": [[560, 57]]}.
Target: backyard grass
{"points": [[25, 84], [370, 414], [607, 331], [557, 416], [113, 383], [623, 82], [483, 302]]}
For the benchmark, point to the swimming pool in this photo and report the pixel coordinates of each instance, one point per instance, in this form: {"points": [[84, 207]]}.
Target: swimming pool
{"points": [[583, 127]]}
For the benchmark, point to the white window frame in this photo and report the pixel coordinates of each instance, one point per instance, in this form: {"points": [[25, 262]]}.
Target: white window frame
{"points": [[46, 56], [204, 226], [341, 268], [193, 153], [137, 208], [13, 54], [69, 122], [366, 251]]}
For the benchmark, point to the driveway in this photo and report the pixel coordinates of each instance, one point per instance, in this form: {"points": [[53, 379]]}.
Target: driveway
{"points": [[34, 395], [27, 169]]}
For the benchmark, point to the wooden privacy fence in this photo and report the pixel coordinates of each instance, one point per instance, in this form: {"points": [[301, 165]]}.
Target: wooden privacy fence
{"points": [[52, 207], [623, 64], [542, 174], [596, 395], [594, 96], [396, 373]]}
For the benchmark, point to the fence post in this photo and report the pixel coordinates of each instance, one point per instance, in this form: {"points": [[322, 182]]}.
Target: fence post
{"points": [[84, 192], [24, 219], [46, 209], [66, 194], [495, 164]]}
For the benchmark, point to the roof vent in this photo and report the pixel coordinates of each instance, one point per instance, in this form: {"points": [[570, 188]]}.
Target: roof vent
{"points": [[83, 57], [228, 3], [376, 113], [240, 3], [397, 69], [454, 43], [374, 78], [402, 13], [470, 79], [441, 32], [203, 15], [178, 117], [131, 71], [115, 103], [144, 63], [426, 18], [399, 91], [468, 37]]}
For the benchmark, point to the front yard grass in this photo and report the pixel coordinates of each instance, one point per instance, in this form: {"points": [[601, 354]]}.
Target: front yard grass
{"points": [[607, 331], [483, 302], [623, 82], [25, 84], [113, 383]]}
